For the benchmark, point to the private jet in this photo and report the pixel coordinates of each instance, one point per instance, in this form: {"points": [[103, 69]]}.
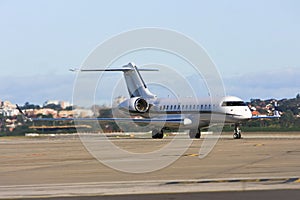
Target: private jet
{"points": [[191, 114]]}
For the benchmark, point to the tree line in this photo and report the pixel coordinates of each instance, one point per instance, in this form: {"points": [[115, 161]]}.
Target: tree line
{"points": [[289, 121]]}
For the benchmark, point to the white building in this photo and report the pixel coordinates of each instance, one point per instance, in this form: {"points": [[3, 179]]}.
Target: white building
{"points": [[8, 109]]}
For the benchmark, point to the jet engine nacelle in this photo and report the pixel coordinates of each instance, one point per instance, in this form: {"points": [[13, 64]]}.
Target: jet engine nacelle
{"points": [[138, 104], [135, 105]]}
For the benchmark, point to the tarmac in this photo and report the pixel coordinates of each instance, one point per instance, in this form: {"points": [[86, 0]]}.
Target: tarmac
{"points": [[61, 166]]}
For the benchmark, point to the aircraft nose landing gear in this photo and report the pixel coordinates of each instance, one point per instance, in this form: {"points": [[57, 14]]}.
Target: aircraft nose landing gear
{"points": [[237, 134]]}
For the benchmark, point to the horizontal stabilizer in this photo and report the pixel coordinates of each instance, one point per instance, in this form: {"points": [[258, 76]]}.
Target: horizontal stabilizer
{"points": [[129, 67], [135, 83], [115, 70]]}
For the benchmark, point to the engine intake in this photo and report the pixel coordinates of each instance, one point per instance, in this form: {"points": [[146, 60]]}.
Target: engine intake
{"points": [[141, 105]]}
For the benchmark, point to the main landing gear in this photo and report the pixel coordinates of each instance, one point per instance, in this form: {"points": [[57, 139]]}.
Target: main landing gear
{"points": [[237, 133], [195, 133], [156, 134], [159, 134]]}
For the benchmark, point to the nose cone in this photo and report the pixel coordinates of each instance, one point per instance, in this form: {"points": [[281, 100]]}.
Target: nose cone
{"points": [[247, 114], [243, 113]]}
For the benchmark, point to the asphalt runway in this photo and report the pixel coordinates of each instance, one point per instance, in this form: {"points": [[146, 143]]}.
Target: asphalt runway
{"points": [[61, 166], [237, 195]]}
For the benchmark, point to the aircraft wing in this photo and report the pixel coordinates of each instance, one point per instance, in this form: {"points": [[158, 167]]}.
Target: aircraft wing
{"points": [[166, 121], [265, 117], [276, 114], [154, 121]]}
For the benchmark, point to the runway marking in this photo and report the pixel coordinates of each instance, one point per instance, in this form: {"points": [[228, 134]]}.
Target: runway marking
{"points": [[292, 180], [191, 155], [259, 145], [281, 180]]}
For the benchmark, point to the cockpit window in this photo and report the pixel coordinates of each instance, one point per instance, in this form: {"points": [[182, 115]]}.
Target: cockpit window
{"points": [[233, 103]]}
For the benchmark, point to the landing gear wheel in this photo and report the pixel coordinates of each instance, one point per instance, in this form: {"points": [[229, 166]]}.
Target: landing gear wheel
{"points": [[237, 136], [237, 132], [195, 133], [156, 134]]}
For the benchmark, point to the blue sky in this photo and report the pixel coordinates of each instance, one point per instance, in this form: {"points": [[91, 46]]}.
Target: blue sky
{"points": [[255, 44]]}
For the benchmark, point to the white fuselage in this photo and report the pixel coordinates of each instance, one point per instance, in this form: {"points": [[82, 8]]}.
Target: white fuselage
{"points": [[201, 111], [188, 113]]}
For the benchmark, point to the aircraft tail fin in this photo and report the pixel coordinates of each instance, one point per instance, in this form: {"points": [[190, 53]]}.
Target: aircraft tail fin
{"points": [[135, 84]]}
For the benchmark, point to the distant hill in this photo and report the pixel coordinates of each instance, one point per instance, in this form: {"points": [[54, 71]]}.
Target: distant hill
{"points": [[288, 108]]}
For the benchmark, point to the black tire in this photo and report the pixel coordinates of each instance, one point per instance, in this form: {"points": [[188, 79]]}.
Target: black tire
{"points": [[156, 134], [195, 134], [160, 135], [239, 135], [235, 136]]}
